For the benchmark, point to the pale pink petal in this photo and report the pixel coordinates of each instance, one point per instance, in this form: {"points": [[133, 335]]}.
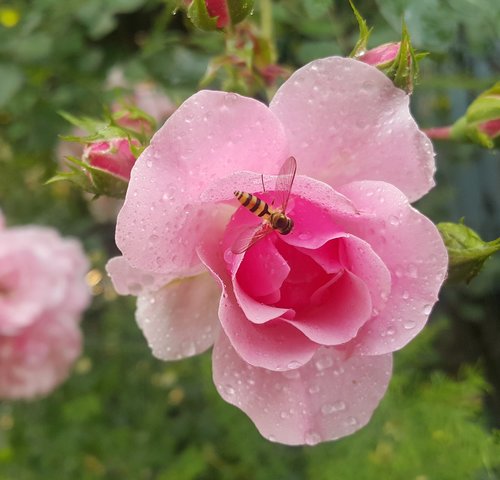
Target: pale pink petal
{"points": [[328, 398], [308, 188], [34, 362], [128, 280], [211, 135], [180, 320], [346, 121], [338, 310], [262, 262], [359, 258], [275, 345], [411, 248]]}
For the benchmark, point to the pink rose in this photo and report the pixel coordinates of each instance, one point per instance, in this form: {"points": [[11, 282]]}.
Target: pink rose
{"points": [[305, 326], [42, 295]]}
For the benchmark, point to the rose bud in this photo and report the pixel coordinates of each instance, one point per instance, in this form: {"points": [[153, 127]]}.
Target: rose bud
{"points": [[218, 14], [382, 55]]}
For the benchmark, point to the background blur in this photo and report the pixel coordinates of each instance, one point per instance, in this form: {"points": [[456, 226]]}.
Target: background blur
{"points": [[125, 415]]}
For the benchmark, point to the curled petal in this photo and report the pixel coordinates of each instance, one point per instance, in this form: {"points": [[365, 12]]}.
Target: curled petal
{"points": [[274, 345], [180, 319], [328, 398], [359, 258], [210, 136], [412, 249], [343, 306], [353, 124]]}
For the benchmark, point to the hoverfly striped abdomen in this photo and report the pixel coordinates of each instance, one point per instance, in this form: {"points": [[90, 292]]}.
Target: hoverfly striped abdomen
{"points": [[274, 219], [253, 203]]}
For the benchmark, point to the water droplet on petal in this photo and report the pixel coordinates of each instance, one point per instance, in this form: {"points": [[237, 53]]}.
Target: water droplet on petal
{"points": [[227, 389], [312, 438], [324, 363], [351, 421], [427, 309], [313, 389], [412, 271], [393, 220], [409, 324]]}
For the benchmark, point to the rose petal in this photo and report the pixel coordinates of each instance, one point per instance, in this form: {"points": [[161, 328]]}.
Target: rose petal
{"points": [[262, 262], [359, 258], [411, 247], [328, 398], [276, 345], [211, 135], [346, 121], [343, 306], [180, 320], [128, 280]]}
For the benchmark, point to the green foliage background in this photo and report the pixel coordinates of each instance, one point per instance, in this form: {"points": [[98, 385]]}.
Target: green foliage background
{"points": [[125, 415]]}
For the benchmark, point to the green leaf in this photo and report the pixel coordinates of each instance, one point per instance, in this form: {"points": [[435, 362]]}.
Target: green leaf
{"points": [[364, 33], [466, 250], [403, 70]]}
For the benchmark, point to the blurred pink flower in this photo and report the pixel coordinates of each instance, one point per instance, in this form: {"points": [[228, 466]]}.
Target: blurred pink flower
{"points": [[303, 324], [42, 296]]}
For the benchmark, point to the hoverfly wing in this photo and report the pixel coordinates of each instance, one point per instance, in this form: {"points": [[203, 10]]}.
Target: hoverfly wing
{"points": [[284, 182], [250, 236]]}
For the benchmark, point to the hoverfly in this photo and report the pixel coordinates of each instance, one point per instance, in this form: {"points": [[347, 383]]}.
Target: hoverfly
{"points": [[275, 219]]}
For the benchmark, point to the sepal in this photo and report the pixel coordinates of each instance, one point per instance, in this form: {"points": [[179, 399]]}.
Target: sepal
{"points": [[467, 252]]}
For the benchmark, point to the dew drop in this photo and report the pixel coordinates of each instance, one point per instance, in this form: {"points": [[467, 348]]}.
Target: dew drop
{"points": [[323, 363], [391, 331], [393, 220], [149, 163], [351, 421], [427, 309], [409, 324], [313, 389], [412, 271], [312, 438], [227, 389], [405, 295]]}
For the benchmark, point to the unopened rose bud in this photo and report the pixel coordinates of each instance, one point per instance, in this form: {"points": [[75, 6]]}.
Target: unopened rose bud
{"points": [[113, 156], [481, 122], [218, 14], [382, 55]]}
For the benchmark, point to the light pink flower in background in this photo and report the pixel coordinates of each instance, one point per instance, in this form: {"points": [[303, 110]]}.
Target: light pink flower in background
{"points": [[42, 296], [304, 324]]}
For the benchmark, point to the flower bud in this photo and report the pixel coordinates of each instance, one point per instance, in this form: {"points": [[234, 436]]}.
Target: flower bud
{"points": [[382, 55], [218, 14], [467, 252], [481, 122], [113, 156]]}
